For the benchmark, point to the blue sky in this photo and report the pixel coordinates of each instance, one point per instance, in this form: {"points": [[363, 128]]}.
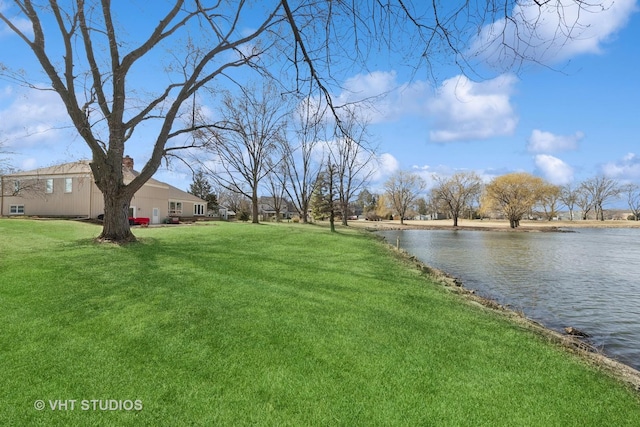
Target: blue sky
{"points": [[568, 121]]}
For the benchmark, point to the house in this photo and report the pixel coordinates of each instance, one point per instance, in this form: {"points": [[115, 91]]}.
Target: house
{"points": [[69, 191], [267, 208]]}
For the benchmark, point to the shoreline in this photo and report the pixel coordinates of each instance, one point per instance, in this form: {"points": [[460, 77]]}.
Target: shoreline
{"points": [[573, 344], [526, 226]]}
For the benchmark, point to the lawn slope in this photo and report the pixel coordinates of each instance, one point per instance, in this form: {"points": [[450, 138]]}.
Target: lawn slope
{"points": [[238, 324]]}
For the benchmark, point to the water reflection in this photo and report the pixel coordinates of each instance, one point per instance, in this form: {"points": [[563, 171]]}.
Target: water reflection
{"points": [[588, 279]]}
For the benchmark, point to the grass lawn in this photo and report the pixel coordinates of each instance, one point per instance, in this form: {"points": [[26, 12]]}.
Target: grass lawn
{"points": [[238, 324]]}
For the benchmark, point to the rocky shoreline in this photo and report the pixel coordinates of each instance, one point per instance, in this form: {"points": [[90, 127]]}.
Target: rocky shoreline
{"points": [[574, 343]]}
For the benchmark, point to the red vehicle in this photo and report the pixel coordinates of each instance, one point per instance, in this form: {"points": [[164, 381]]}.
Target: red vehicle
{"points": [[138, 221]]}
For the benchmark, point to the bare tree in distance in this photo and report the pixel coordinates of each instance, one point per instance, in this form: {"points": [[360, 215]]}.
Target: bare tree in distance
{"points": [[232, 201], [301, 159], [402, 189], [584, 201], [600, 189], [276, 190], [550, 196], [353, 160], [632, 192], [457, 192], [246, 140], [569, 197], [90, 56]]}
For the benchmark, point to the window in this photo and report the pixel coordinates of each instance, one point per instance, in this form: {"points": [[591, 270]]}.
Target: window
{"points": [[175, 208], [198, 209], [16, 209], [48, 186], [68, 185]]}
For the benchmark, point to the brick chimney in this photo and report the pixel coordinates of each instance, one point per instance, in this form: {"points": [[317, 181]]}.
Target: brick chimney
{"points": [[127, 162]]}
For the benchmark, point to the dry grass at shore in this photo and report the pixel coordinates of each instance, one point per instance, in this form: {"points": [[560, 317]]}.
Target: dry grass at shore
{"points": [[495, 225]]}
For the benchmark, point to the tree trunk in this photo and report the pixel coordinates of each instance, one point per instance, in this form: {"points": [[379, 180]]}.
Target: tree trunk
{"points": [[254, 207], [345, 213], [455, 220], [115, 227], [332, 220]]}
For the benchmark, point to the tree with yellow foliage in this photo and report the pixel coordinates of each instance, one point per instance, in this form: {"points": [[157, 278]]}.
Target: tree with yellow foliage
{"points": [[513, 194]]}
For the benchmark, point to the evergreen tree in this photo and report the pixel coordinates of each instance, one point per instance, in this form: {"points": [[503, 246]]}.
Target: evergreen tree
{"points": [[201, 187]]}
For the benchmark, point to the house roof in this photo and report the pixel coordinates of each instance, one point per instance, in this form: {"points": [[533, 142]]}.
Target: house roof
{"points": [[82, 167], [79, 167]]}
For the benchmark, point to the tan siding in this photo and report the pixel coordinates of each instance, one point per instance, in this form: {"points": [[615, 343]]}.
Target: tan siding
{"points": [[58, 203], [85, 199], [149, 197]]}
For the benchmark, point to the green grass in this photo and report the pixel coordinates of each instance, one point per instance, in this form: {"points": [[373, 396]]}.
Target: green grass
{"points": [[240, 324]]}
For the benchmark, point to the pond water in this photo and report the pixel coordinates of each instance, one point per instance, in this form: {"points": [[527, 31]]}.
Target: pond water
{"points": [[588, 279]]}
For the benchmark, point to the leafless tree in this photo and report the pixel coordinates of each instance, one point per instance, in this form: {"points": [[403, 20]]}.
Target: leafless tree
{"points": [[230, 200], [584, 201], [569, 197], [549, 200], [246, 140], [353, 160], [302, 159], [98, 61], [206, 41], [632, 191], [457, 192], [276, 190], [600, 190], [402, 189]]}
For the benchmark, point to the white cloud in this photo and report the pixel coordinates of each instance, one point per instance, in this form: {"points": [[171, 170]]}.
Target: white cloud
{"points": [[23, 24], [381, 98], [628, 168], [33, 118], [555, 31], [553, 169], [547, 142], [467, 110], [387, 164]]}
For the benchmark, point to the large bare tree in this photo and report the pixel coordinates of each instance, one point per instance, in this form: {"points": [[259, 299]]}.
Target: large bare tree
{"points": [[94, 58], [91, 62]]}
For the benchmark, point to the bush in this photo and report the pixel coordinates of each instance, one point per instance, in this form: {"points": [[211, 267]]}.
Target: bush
{"points": [[631, 218], [243, 216], [296, 219]]}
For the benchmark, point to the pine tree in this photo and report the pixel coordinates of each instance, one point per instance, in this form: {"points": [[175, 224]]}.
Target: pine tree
{"points": [[201, 187]]}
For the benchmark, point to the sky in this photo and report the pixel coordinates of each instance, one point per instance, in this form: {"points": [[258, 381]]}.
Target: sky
{"points": [[574, 116]]}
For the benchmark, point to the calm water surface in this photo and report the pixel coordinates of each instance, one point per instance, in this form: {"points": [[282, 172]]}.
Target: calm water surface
{"points": [[588, 279]]}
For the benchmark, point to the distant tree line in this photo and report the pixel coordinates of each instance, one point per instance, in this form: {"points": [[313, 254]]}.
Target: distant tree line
{"points": [[513, 196]]}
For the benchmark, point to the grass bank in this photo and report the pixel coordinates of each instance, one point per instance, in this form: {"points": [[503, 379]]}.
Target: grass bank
{"points": [[236, 324]]}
